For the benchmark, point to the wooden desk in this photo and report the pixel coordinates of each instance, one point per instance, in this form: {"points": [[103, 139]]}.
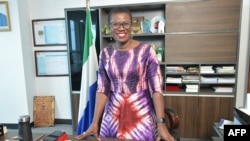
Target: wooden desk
{"points": [[10, 135]]}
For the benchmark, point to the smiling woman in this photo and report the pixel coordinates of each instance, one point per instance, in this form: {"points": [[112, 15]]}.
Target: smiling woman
{"points": [[129, 99], [4, 16]]}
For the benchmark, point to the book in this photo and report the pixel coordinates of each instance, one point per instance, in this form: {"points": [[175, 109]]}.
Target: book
{"points": [[56, 136], [172, 88], [192, 86], [222, 89], [49, 138], [191, 90]]}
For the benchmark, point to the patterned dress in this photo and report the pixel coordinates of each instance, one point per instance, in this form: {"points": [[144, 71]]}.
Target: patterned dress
{"points": [[129, 79]]}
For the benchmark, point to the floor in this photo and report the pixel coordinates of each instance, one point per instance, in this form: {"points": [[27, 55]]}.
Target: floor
{"points": [[63, 127]]}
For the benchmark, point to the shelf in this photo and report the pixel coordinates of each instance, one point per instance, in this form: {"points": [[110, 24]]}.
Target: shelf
{"points": [[144, 7], [173, 33], [177, 78], [140, 35]]}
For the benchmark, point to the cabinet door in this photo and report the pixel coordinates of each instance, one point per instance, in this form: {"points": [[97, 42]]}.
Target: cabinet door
{"points": [[211, 110], [207, 47], [186, 108], [198, 114], [199, 16]]}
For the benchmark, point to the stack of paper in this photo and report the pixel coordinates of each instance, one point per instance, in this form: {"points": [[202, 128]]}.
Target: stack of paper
{"points": [[209, 80], [223, 89], [225, 69], [175, 69], [206, 69], [173, 80], [229, 80], [192, 88], [190, 79]]}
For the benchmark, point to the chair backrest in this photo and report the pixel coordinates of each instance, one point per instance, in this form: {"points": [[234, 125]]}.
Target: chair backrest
{"points": [[173, 118], [173, 122]]}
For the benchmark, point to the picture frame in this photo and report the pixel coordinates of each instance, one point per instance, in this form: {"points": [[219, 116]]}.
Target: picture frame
{"points": [[137, 25], [49, 32], [44, 111], [4, 16], [51, 63]]}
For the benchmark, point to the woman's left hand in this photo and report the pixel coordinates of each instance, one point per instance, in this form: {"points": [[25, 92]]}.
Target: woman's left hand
{"points": [[163, 133]]}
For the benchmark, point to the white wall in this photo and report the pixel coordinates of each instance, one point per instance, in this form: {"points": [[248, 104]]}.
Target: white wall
{"points": [[18, 82], [13, 92]]}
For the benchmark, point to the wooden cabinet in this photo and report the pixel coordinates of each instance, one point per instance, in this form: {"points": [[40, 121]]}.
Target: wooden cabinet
{"points": [[196, 33], [198, 114], [202, 33]]}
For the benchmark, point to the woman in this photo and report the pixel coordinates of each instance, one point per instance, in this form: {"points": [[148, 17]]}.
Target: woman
{"points": [[129, 87]]}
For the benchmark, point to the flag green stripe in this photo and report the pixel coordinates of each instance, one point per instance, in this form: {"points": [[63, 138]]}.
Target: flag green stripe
{"points": [[88, 39]]}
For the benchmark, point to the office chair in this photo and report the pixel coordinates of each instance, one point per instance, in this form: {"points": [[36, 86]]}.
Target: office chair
{"points": [[172, 122]]}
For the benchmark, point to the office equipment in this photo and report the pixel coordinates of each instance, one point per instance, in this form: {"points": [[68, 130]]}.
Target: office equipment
{"points": [[243, 115]]}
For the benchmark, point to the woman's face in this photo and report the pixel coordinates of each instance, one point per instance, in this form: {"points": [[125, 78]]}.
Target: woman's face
{"points": [[121, 27]]}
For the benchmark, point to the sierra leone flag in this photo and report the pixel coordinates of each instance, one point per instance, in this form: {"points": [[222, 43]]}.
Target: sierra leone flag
{"points": [[89, 77]]}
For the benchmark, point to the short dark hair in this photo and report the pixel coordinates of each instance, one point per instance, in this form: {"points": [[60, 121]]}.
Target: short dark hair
{"points": [[119, 10]]}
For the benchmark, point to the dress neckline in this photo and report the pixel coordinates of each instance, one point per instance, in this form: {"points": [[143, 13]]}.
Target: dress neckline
{"points": [[131, 49]]}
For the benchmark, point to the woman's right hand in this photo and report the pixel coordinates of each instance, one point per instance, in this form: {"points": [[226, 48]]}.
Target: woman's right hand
{"points": [[92, 130]]}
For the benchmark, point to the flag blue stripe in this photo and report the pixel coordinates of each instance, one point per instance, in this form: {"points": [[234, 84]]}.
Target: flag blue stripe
{"points": [[88, 112]]}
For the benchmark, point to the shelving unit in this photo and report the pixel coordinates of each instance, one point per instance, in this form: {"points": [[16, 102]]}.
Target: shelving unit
{"points": [[145, 11], [204, 81]]}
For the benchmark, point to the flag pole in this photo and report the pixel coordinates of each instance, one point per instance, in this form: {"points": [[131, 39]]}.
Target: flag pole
{"points": [[87, 4]]}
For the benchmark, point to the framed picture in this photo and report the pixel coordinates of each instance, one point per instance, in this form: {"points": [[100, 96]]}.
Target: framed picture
{"points": [[44, 111], [51, 63], [49, 32], [137, 25], [4, 16]]}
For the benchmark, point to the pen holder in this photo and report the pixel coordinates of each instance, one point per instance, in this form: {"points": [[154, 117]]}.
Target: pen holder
{"points": [[24, 128]]}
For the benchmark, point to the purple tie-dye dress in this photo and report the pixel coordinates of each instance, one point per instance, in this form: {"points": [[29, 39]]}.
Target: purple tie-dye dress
{"points": [[129, 79]]}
